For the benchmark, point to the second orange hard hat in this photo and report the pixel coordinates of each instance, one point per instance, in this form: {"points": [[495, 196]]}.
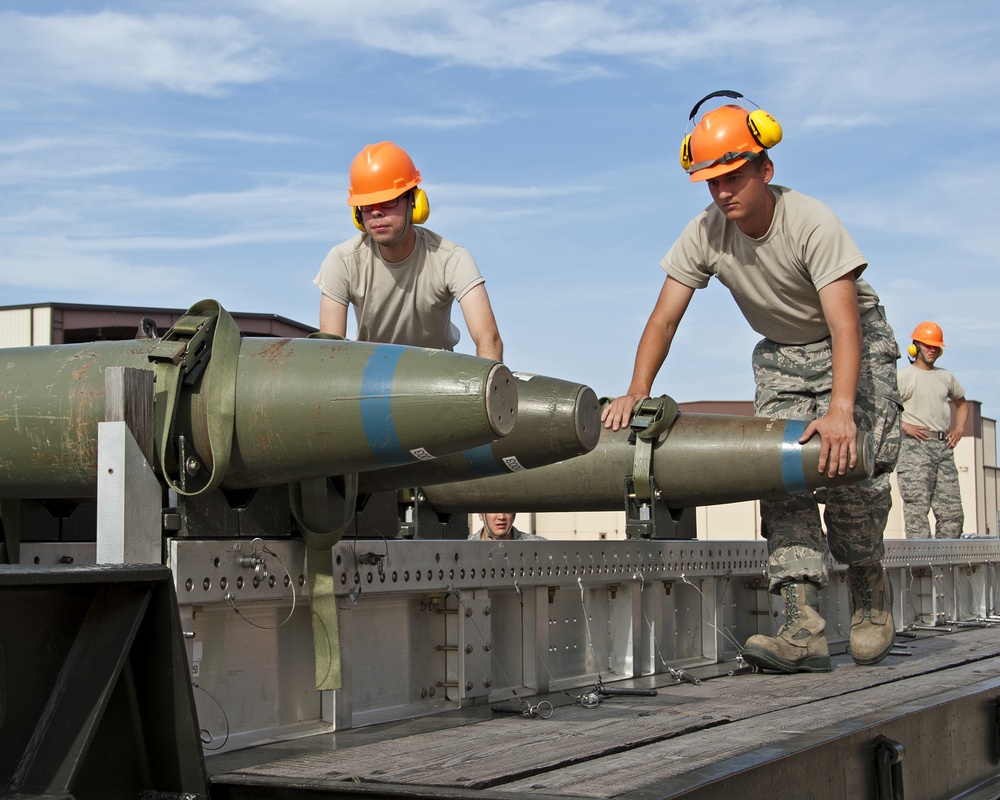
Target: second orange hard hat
{"points": [[928, 333], [381, 172]]}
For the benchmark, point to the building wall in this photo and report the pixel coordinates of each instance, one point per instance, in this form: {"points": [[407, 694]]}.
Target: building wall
{"points": [[991, 479], [572, 525], [19, 328]]}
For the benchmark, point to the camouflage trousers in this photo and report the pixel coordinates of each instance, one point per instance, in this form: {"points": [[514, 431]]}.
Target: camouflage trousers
{"points": [[795, 382], [928, 480]]}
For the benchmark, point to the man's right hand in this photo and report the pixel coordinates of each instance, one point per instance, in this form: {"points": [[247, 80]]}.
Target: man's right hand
{"points": [[618, 413], [915, 431]]}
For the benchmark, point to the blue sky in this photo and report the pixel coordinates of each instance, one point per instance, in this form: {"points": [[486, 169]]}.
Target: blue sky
{"points": [[158, 153]]}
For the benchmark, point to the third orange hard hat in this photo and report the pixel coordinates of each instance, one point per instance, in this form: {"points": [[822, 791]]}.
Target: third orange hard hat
{"points": [[928, 333], [381, 172]]}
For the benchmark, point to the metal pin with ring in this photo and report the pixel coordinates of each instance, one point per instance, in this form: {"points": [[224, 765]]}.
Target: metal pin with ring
{"points": [[540, 710]]}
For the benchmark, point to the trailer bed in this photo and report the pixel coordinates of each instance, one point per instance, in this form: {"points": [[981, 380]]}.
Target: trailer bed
{"points": [[925, 723]]}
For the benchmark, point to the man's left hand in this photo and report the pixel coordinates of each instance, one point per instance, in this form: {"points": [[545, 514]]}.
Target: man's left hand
{"points": [[839, 448]]}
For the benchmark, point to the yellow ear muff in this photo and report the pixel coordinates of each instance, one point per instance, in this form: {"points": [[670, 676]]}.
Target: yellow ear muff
{"points": [[911, 351], [421, 207], [765, 129], [686, 153], [418, 215]]}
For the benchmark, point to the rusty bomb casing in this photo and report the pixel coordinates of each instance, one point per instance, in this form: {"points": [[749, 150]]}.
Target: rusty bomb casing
{"points": [[304, 408]]}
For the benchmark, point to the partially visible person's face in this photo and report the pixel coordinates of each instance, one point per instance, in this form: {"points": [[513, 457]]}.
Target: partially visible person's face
{"points": [[928, 353], [499, 525], [742, 195], [387, 226]]}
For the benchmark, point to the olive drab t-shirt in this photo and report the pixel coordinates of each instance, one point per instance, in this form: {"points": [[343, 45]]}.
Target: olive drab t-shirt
{"points": [[776, 279], [404, 303]]}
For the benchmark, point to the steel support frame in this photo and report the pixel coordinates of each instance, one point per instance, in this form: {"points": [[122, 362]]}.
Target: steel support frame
{"points": [[428, 626]]}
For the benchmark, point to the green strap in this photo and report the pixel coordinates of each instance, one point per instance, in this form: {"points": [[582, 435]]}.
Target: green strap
{"points": [[309, 500], [651, 418], [326, 627], [203, 345]]}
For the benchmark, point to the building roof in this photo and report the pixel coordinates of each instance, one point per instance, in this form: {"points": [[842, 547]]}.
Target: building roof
{"points": [[66, 323]]}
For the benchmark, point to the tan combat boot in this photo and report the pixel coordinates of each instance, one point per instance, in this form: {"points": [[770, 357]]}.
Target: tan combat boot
{"points": [[873, 629], [800, 645]]}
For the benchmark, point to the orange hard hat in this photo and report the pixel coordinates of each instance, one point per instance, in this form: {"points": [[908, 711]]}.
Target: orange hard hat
{"points": [[928, 333], [725, 138], [381, 172]]}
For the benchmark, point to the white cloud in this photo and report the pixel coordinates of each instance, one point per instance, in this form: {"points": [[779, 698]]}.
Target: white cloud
{"points": [[444, 120], [129, 52], [40, 264], [63, 159], [565, 36]]}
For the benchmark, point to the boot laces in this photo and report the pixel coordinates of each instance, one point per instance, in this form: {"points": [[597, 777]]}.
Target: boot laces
{"points": [[864, 589], [792, 611]]}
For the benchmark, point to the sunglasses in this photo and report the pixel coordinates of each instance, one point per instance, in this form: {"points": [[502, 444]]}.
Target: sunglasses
{"points": [[384, 204]]}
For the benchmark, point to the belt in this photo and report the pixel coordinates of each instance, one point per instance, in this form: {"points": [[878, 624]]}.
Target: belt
{"points": [[932, 435]]}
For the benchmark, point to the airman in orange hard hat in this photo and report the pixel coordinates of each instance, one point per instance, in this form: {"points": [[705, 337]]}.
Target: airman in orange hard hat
{"points": [[935, 413], [396, 272], [827, 363]]}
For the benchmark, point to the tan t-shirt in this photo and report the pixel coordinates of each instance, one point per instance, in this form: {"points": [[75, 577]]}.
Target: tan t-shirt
{"points": [[775, 280], [925, 394], [405, 303]]}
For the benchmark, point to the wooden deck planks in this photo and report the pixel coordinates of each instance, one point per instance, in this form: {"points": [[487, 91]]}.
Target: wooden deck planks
{"points": [[628, 742], [657, 764]]}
